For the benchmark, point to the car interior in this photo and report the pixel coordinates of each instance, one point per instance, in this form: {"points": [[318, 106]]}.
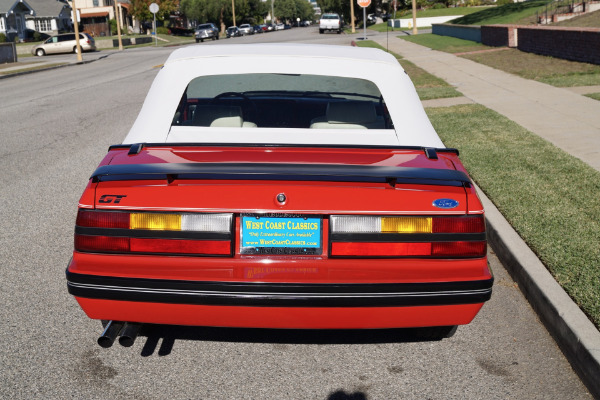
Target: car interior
{"points": [[262, 100]]}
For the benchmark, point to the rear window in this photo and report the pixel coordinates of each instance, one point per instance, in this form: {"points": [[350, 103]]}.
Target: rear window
{"points": [[282, 101], [330, 16]]}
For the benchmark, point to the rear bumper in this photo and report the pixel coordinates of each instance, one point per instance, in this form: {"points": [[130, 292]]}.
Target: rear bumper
{"points": [[279, 305]]}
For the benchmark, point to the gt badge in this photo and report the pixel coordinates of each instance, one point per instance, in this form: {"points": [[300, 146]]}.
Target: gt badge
{"points": [[111, 198], [445, 203]]}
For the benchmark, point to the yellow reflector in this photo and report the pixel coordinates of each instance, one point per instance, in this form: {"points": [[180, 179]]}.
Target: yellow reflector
{"points": [[406, 225], [161, 222]]}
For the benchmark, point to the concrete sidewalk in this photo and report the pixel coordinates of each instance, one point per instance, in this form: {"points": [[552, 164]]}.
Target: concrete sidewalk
{"points": [[568, 120], [561, 116]]}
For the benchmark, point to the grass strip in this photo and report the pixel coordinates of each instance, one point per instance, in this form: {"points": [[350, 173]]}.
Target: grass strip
{"points": [[447, 44], [595, 96], [553, 71], [548, 196], [428, 86]]}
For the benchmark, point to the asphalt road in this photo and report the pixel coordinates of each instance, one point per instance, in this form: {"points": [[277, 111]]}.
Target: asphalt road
{"points": [[55, 127]]}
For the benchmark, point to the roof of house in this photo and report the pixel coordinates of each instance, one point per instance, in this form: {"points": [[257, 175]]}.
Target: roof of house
{"points": [[47, 8], [6, 5]]}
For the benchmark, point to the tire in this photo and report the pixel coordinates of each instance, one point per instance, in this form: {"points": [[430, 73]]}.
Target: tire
{"points": [[340, 31], [75, 49], [321, 30], [201, 40], [197, 40], [217, 37], [40, 52]]}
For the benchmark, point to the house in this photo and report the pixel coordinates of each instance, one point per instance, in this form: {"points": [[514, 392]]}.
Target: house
{"points": [[12, 18], [50, 16]]}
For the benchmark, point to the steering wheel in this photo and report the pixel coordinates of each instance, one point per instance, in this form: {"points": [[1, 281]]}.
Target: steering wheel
{"points": [[248, 107]]}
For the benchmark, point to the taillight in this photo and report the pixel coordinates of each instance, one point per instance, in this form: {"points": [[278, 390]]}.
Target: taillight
{"points": [[407, 236], [153, 233]]}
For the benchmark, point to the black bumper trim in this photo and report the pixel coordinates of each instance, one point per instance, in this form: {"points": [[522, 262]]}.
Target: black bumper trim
{"points": [[279, 294]]}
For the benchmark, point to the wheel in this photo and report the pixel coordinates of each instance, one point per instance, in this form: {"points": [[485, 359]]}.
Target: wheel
{"points": [[40, 52], [197, 40], [202, 40], [340, 31], [75, 49], [321, 30], [217, 37]]}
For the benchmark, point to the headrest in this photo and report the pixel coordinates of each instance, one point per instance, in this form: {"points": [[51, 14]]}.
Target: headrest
{"points": [[351, 112], [218, 115]]}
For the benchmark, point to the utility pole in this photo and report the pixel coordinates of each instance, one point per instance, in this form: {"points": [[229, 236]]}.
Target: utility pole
{"points": [[118, 19], [233, 11], [414, 13], [352, 15], [76, 24]]}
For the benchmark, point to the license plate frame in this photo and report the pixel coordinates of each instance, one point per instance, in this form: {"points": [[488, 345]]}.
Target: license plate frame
{"points": [[281, 234]]}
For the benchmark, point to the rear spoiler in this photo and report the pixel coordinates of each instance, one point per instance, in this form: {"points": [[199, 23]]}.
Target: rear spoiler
{"points": [[281, 172]]}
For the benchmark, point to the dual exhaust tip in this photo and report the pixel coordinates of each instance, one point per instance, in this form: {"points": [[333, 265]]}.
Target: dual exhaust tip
{"points": [[127, 332]]}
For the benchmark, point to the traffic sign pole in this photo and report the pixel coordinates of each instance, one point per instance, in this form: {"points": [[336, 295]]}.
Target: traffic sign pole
{"points": [[364, 4], [154, 9]]}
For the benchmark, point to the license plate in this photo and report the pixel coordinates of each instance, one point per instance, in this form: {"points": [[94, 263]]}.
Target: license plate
{"points": [[267, 234]]}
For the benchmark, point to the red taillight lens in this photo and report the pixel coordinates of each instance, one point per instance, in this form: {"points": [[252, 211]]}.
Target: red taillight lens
{"points": [[469, 224], [157, 233], [88, 243], [410, 236], [103, 219], [178, 246], [459, 249], [373, 249]]}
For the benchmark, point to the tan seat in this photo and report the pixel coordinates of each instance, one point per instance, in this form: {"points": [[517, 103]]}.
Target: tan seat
{"points": [[216, 115], [349, 115]]}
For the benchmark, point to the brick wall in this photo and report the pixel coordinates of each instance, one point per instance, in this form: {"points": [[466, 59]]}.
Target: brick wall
{"points": [[499, 35], [577, 44]]}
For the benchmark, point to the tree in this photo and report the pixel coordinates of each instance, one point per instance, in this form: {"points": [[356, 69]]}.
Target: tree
{"points": [[140, 9]]}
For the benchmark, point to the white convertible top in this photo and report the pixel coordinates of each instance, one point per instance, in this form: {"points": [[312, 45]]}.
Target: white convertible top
{"points": [[411, 125], [295, 50]]}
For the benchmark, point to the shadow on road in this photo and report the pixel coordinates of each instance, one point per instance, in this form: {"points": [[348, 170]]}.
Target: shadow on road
{"points": [[167, 335]]}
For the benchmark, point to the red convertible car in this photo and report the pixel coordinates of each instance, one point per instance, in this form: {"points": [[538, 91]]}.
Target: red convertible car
{"points": [[308, 191]]}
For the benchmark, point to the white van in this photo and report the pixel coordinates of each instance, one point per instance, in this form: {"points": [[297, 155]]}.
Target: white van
{"points": [[64, 43]]}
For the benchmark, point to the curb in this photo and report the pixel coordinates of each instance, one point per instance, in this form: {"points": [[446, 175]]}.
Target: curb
{"points": [[574, 333]]}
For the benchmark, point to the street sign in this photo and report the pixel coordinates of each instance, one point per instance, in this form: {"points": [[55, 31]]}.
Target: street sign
{"points": [[364, 3], [154, 9]]}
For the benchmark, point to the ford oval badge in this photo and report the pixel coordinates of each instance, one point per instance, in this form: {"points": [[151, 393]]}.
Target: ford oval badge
{"points": [[445, 203]]}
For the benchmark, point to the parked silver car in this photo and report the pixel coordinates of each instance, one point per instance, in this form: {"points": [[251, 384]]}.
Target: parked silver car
{"points": [[64, 43], [246, 29], [207, 31]]}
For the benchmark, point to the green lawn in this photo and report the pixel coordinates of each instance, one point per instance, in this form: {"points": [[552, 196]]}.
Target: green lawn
{"points": [[505, 14], [445, 43], [428, 86], [550, 70], [548, 196], [595, 96]]}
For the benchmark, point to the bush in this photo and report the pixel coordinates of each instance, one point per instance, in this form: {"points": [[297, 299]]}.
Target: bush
{"points": [[437, 6], [2, 38], [113, 26], [503, 2], [162, 30], [37, 37]]}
